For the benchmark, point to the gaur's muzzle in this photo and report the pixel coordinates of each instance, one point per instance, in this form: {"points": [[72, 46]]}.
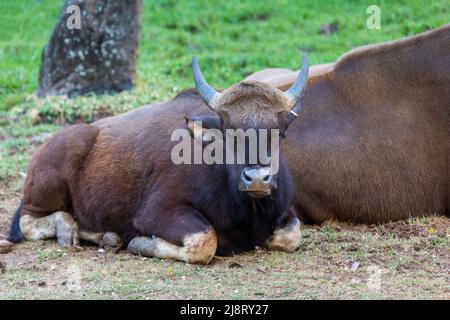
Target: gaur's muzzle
{"points": [[257, 181]]}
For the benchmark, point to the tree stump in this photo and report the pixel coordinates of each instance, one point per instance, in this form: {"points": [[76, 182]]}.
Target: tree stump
{"points": [[93, 48]]}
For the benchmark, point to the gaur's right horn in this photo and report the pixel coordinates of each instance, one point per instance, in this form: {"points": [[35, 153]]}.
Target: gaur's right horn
{"points": [[209, 95]]}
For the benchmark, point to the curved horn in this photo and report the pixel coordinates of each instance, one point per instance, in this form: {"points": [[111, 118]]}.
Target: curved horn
{"points": [[209, 95], [297, 90]]}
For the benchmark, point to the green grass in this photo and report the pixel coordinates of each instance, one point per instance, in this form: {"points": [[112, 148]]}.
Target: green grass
{"points": [[232, 38]]}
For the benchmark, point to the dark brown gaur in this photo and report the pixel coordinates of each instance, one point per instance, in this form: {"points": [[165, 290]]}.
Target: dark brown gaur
{"points": [[114, 181]]}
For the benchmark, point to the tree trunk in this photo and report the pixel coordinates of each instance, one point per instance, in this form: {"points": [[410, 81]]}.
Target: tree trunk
{"points": [[96, 53]]}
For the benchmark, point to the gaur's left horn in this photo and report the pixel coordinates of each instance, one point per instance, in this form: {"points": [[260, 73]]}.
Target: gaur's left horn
{"points": [[295, 93], [209, 95]]}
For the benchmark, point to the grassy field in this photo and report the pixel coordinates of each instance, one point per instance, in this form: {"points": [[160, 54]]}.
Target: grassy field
{"points": [[231, 38], [392, 261]]}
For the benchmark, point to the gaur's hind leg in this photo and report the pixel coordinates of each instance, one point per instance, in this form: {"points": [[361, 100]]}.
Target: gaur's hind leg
{"points": [[288, 236], [62, 226], [59, 224], [181, 235], [47, 195]]}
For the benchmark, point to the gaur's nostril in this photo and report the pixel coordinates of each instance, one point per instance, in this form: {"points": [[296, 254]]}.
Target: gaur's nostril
{"points": [[267, 178], [245, 177]]}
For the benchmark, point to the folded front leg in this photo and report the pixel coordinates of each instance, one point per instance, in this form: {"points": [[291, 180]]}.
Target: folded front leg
{"points": [[181, 234], [287, 237]]}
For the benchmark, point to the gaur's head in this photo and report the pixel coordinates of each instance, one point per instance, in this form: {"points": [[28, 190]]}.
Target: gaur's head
{"points": [[256, 114]]}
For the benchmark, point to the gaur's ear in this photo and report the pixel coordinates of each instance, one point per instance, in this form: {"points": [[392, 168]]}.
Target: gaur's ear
{"points": [[285, 118], [197, 126]]}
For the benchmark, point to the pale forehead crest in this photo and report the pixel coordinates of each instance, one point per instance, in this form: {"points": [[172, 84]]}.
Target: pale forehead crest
{"points": [[253, 103]]}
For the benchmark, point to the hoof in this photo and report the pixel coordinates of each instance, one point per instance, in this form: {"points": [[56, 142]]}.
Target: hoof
{"points": [[5, 246], [69, 239], [111, 240], [143, 246], [67, 232]]}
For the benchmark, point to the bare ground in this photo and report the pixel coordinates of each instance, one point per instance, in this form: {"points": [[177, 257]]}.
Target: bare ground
{"points": [[402, 260]]}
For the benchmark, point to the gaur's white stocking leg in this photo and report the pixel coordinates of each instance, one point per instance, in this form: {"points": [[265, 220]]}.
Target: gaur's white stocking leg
{"points": [[62, 226], [287, 237], [197, 247], [59, 224], [183, 235]]}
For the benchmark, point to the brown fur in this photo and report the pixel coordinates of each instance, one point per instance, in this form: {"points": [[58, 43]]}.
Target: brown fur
{"points": [[372, 143]]}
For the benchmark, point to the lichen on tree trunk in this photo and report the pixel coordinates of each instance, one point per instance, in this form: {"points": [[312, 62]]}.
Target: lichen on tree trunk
{"points": [[98, 57]]}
